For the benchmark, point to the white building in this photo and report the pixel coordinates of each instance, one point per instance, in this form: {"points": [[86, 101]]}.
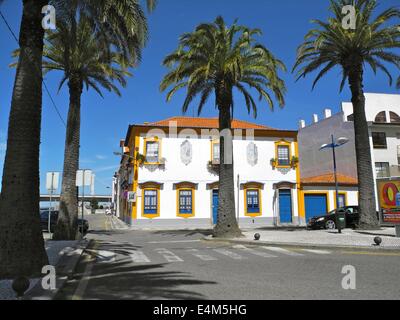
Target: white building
{"points": [[174, 165], [382, 113]]}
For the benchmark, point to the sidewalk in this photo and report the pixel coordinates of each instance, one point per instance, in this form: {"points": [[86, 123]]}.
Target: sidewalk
{"points": [[64, 255], [320, 238]]}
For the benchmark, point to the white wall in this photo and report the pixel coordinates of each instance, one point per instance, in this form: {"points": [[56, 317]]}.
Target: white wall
{"points": [[197, 172], [375, 103]]}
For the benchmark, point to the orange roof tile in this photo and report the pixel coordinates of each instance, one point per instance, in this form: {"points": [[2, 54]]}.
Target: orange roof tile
{"points": [[329, 179], [210, 123]]}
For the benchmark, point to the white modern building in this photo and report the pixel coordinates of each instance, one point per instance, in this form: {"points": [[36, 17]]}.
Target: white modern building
{"points": [[172, 174], [382, 113]]}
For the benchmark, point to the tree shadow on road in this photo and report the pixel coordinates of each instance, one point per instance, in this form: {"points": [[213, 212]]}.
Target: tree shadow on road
{"points": [[123, 280], [104, 232], [186, 233]]}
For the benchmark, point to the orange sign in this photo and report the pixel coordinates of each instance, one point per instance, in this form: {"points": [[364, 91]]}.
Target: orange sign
{"points": [[389, 199], [388, 191]]}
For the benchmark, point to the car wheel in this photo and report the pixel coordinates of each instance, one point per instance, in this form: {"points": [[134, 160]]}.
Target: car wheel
{"points": [[330, 225]]}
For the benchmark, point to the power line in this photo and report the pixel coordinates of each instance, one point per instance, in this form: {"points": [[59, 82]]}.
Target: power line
{"points": [[43, 82]]}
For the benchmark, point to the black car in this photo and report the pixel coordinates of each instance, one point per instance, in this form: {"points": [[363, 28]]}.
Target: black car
{"points": [[44, 219], [328, 221]]}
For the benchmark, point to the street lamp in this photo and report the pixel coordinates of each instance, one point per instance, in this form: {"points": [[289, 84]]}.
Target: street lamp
{"points": [[333, 145]]}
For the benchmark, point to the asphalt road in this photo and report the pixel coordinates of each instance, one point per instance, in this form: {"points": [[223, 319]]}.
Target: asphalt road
{"points": [[126, 264]]}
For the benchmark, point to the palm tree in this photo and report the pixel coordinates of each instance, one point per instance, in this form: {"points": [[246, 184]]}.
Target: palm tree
{"points": [[128, 38], [21, 243], [216, 59], [371, 42], [95, 65]]}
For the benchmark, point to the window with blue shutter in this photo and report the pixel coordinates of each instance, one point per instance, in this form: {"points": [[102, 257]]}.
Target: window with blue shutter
{"points": [[150, 201], [185, 202], [253, 202]]}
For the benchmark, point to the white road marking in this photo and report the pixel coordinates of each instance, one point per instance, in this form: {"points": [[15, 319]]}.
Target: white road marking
{"points": [[139, 257], [80, 290], [201, 256], [104, 256], [283, 251], [255, 252], [168, 255], [317, 251], [229, 254]]}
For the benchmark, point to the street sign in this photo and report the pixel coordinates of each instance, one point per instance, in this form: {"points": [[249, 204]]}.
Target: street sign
{"points": [[52, 180], [83, 178], [131, 197]]}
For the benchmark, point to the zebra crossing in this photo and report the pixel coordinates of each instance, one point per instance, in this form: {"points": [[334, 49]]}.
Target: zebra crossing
{"points": [[209, 254]]}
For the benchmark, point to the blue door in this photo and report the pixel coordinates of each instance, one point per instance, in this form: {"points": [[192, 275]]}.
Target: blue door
{"points": [[315, 205], [215, 206], [285, 206]]}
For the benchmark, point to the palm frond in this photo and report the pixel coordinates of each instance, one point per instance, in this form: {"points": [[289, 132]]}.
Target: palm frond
{"points": [[215, 58], [373, 42]]}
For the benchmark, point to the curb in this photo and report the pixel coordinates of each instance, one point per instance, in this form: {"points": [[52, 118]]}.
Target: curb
{"points": [[303, 245], [118, 224], [65, 269]]}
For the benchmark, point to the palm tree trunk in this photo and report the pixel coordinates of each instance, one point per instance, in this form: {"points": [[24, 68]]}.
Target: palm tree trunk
{"points": [[227, 225], [22, 249], [367, 202], [67, 226]]}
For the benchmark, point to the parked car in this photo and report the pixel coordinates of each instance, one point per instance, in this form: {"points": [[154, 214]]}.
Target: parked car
{"points": [[44, 219], [328, 221]]}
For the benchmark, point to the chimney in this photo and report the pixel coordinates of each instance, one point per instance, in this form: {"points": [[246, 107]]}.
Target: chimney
{"points": [[327, 113], [302, 124], [315, 118]]}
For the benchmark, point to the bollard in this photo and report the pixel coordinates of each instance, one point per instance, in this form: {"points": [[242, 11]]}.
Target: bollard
{"points": [[20, 285], [378, 241], [257, 236]]}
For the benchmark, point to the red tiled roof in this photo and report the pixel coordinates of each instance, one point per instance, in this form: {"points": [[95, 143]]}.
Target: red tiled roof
{"points": [[329, 179], [209, 123]]}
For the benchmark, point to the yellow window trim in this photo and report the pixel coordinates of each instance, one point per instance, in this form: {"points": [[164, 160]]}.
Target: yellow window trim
{"points": [[152, 139], [283, 143], [252, 187], [185, 215], [341, 193], [135, 172], [326, 193], [149, 215]]}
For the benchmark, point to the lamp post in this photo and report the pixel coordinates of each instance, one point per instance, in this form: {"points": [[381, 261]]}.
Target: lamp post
{"points": [[333, 145]]}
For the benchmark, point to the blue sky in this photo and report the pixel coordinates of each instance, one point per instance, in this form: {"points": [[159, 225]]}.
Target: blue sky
{"points": [[105, 121]]}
